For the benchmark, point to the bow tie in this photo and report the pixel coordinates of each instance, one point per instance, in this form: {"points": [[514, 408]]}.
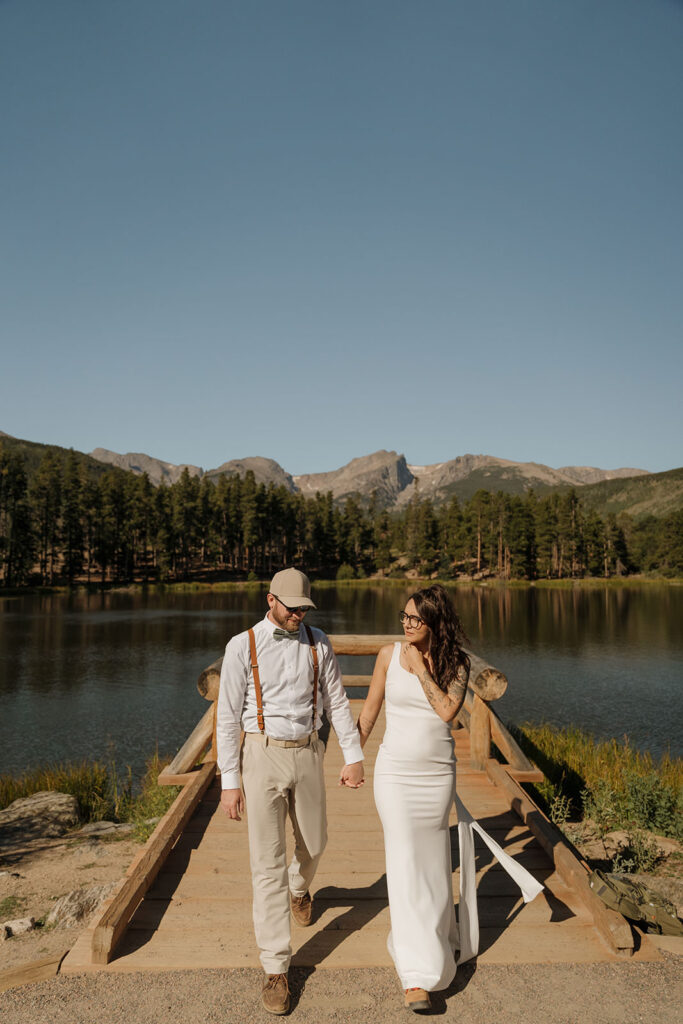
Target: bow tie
{"points": [[280, 633]]}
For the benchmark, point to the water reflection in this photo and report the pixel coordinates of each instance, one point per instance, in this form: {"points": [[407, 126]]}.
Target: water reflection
{"points": [[84, 673]]}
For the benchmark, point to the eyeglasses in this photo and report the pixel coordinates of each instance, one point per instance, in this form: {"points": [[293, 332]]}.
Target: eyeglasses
{"points": [[412, 621], [302, 609]]}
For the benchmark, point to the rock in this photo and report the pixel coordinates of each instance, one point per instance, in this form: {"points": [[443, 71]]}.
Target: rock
{"points": [[106, 828], [77, 906], [43, 815], [18, 927]]}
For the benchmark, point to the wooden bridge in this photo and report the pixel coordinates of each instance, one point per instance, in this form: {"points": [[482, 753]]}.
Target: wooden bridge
{"points": [[185, 901]]}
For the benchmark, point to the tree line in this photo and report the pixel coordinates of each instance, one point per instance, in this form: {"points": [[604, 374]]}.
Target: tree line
{"points": [[61, 524]]}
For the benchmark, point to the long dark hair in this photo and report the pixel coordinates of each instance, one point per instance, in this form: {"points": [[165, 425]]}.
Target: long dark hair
{"points": [[436, 610]]}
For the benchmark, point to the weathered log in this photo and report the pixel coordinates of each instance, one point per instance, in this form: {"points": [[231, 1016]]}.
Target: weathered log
{"points": [[611, 925], [113, 922], [191, 750], [524, 769], [480, 734], [26, 974], [208, 680], [485, 680]]}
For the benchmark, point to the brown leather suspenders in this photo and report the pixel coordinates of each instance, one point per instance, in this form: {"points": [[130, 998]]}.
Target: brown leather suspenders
{"points": [[314, 652], [257, 680]]}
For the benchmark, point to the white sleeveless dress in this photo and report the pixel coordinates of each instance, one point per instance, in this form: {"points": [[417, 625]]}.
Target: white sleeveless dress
{"points": [[414, 788]]}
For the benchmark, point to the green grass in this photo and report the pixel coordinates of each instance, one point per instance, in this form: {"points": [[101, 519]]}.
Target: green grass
{"points": [[103, 794], [11, 905], [610, 782]]}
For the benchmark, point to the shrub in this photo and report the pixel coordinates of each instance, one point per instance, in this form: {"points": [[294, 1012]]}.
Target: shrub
{"points": [[345, 572], [606, 780], [640, 855]]}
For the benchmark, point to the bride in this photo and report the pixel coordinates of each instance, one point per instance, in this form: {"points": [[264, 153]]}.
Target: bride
{"points": [[424, 682]]}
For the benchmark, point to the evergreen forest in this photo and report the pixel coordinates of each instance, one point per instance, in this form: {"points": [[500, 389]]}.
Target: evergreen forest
{"points": [[62, 523]]}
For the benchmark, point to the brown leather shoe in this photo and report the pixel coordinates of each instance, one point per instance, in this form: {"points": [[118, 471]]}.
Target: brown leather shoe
{"points": [[302, 908], [417, 1000], [275, 994]]}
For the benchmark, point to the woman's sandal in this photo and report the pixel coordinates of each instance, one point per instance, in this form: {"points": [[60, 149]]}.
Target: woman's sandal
{"points": [[417, 999]]}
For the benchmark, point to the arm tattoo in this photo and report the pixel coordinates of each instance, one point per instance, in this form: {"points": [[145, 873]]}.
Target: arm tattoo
{"points": [[437, 698]]}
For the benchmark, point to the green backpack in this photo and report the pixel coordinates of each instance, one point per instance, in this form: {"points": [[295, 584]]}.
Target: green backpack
{"points": [[636, 902]]}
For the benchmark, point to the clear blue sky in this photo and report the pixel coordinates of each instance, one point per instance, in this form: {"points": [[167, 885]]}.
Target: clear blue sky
{"points": [[309, 229]]}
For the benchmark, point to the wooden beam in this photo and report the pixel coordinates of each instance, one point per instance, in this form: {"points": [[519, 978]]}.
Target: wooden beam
{"points": [[166, 779], [25, 974], [510, 748], [192, 749], [480, 734], [485, 680], [114, 919], [209, 678], [574, 872]]}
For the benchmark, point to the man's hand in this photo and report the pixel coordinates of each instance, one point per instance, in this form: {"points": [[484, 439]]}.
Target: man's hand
{"points": [[352, 775], [232, 803]]}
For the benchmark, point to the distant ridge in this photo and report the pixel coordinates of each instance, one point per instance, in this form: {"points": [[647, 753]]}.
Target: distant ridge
{"points": [[388, 476], [394, 481], [266, 471], [157, 471]]}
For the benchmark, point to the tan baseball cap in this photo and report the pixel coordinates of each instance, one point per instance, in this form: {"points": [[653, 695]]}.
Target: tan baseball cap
{"points": [[292, 588]]}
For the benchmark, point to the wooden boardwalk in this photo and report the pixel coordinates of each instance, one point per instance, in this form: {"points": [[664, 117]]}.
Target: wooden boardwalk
{"points": [[197, 914]]}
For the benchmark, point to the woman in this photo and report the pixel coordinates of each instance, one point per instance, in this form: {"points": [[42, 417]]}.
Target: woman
{"points": [[424, 681]]}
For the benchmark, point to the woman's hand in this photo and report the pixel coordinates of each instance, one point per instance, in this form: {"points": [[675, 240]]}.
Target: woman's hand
{"points": [[413, 659]]}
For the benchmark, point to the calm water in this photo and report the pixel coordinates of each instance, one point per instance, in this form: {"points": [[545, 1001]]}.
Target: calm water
{"points": [[113, 674]]}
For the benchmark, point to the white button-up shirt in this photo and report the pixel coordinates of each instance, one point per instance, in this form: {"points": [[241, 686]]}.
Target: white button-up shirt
{"points": [[286, 675]]}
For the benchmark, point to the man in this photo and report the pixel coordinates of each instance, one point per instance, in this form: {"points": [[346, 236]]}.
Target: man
{"points": [[275, 682]]}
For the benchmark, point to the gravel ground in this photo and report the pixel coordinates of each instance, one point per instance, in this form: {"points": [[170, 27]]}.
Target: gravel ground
{"points": [[526, 994]]}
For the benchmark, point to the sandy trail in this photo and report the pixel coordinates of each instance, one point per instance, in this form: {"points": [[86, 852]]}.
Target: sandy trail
{"points": [[527, 994]]}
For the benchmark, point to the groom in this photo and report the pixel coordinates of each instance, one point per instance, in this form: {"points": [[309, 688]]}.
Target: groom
{"points": [[276, 680]]}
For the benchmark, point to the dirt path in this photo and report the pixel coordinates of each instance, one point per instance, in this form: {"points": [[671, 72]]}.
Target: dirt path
{"points": [[600, 993], [623, 993], [36, 875]]}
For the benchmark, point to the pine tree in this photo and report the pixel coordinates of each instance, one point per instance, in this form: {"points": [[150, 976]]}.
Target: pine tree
{"points": [[72, 519]]}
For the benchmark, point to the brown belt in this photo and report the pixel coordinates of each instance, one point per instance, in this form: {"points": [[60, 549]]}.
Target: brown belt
{"points": [[303, 741]]}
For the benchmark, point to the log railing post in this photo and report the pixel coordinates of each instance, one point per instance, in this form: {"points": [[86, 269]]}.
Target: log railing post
{"points": [[480, 734]]}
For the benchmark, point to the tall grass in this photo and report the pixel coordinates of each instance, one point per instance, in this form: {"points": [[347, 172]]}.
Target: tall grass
{"points": [[608, 781], [102, 792]]}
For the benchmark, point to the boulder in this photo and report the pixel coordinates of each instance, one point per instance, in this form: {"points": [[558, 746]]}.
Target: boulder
{"points": [[106, 828], [18, 927], [43, 815], [79, 905]]}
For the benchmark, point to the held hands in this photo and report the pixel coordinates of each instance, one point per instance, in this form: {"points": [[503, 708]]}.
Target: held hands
{"points": [[352, 775], [232, 803]]}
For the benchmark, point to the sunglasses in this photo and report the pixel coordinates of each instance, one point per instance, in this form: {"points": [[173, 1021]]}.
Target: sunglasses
{"points": [[302, 609], [412, 621]]}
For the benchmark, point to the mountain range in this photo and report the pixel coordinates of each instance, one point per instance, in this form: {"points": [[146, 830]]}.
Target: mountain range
{"points": [[395, 481], [387, 474]]}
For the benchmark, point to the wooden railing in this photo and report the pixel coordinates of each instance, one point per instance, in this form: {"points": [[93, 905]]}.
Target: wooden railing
{"points": [[487, 684], [194, 768]]}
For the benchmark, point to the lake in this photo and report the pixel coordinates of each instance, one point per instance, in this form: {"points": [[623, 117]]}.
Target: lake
{"points": [[111, 675]]}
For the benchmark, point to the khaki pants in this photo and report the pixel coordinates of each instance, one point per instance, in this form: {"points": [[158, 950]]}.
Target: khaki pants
{"points": [[278, 781]]}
